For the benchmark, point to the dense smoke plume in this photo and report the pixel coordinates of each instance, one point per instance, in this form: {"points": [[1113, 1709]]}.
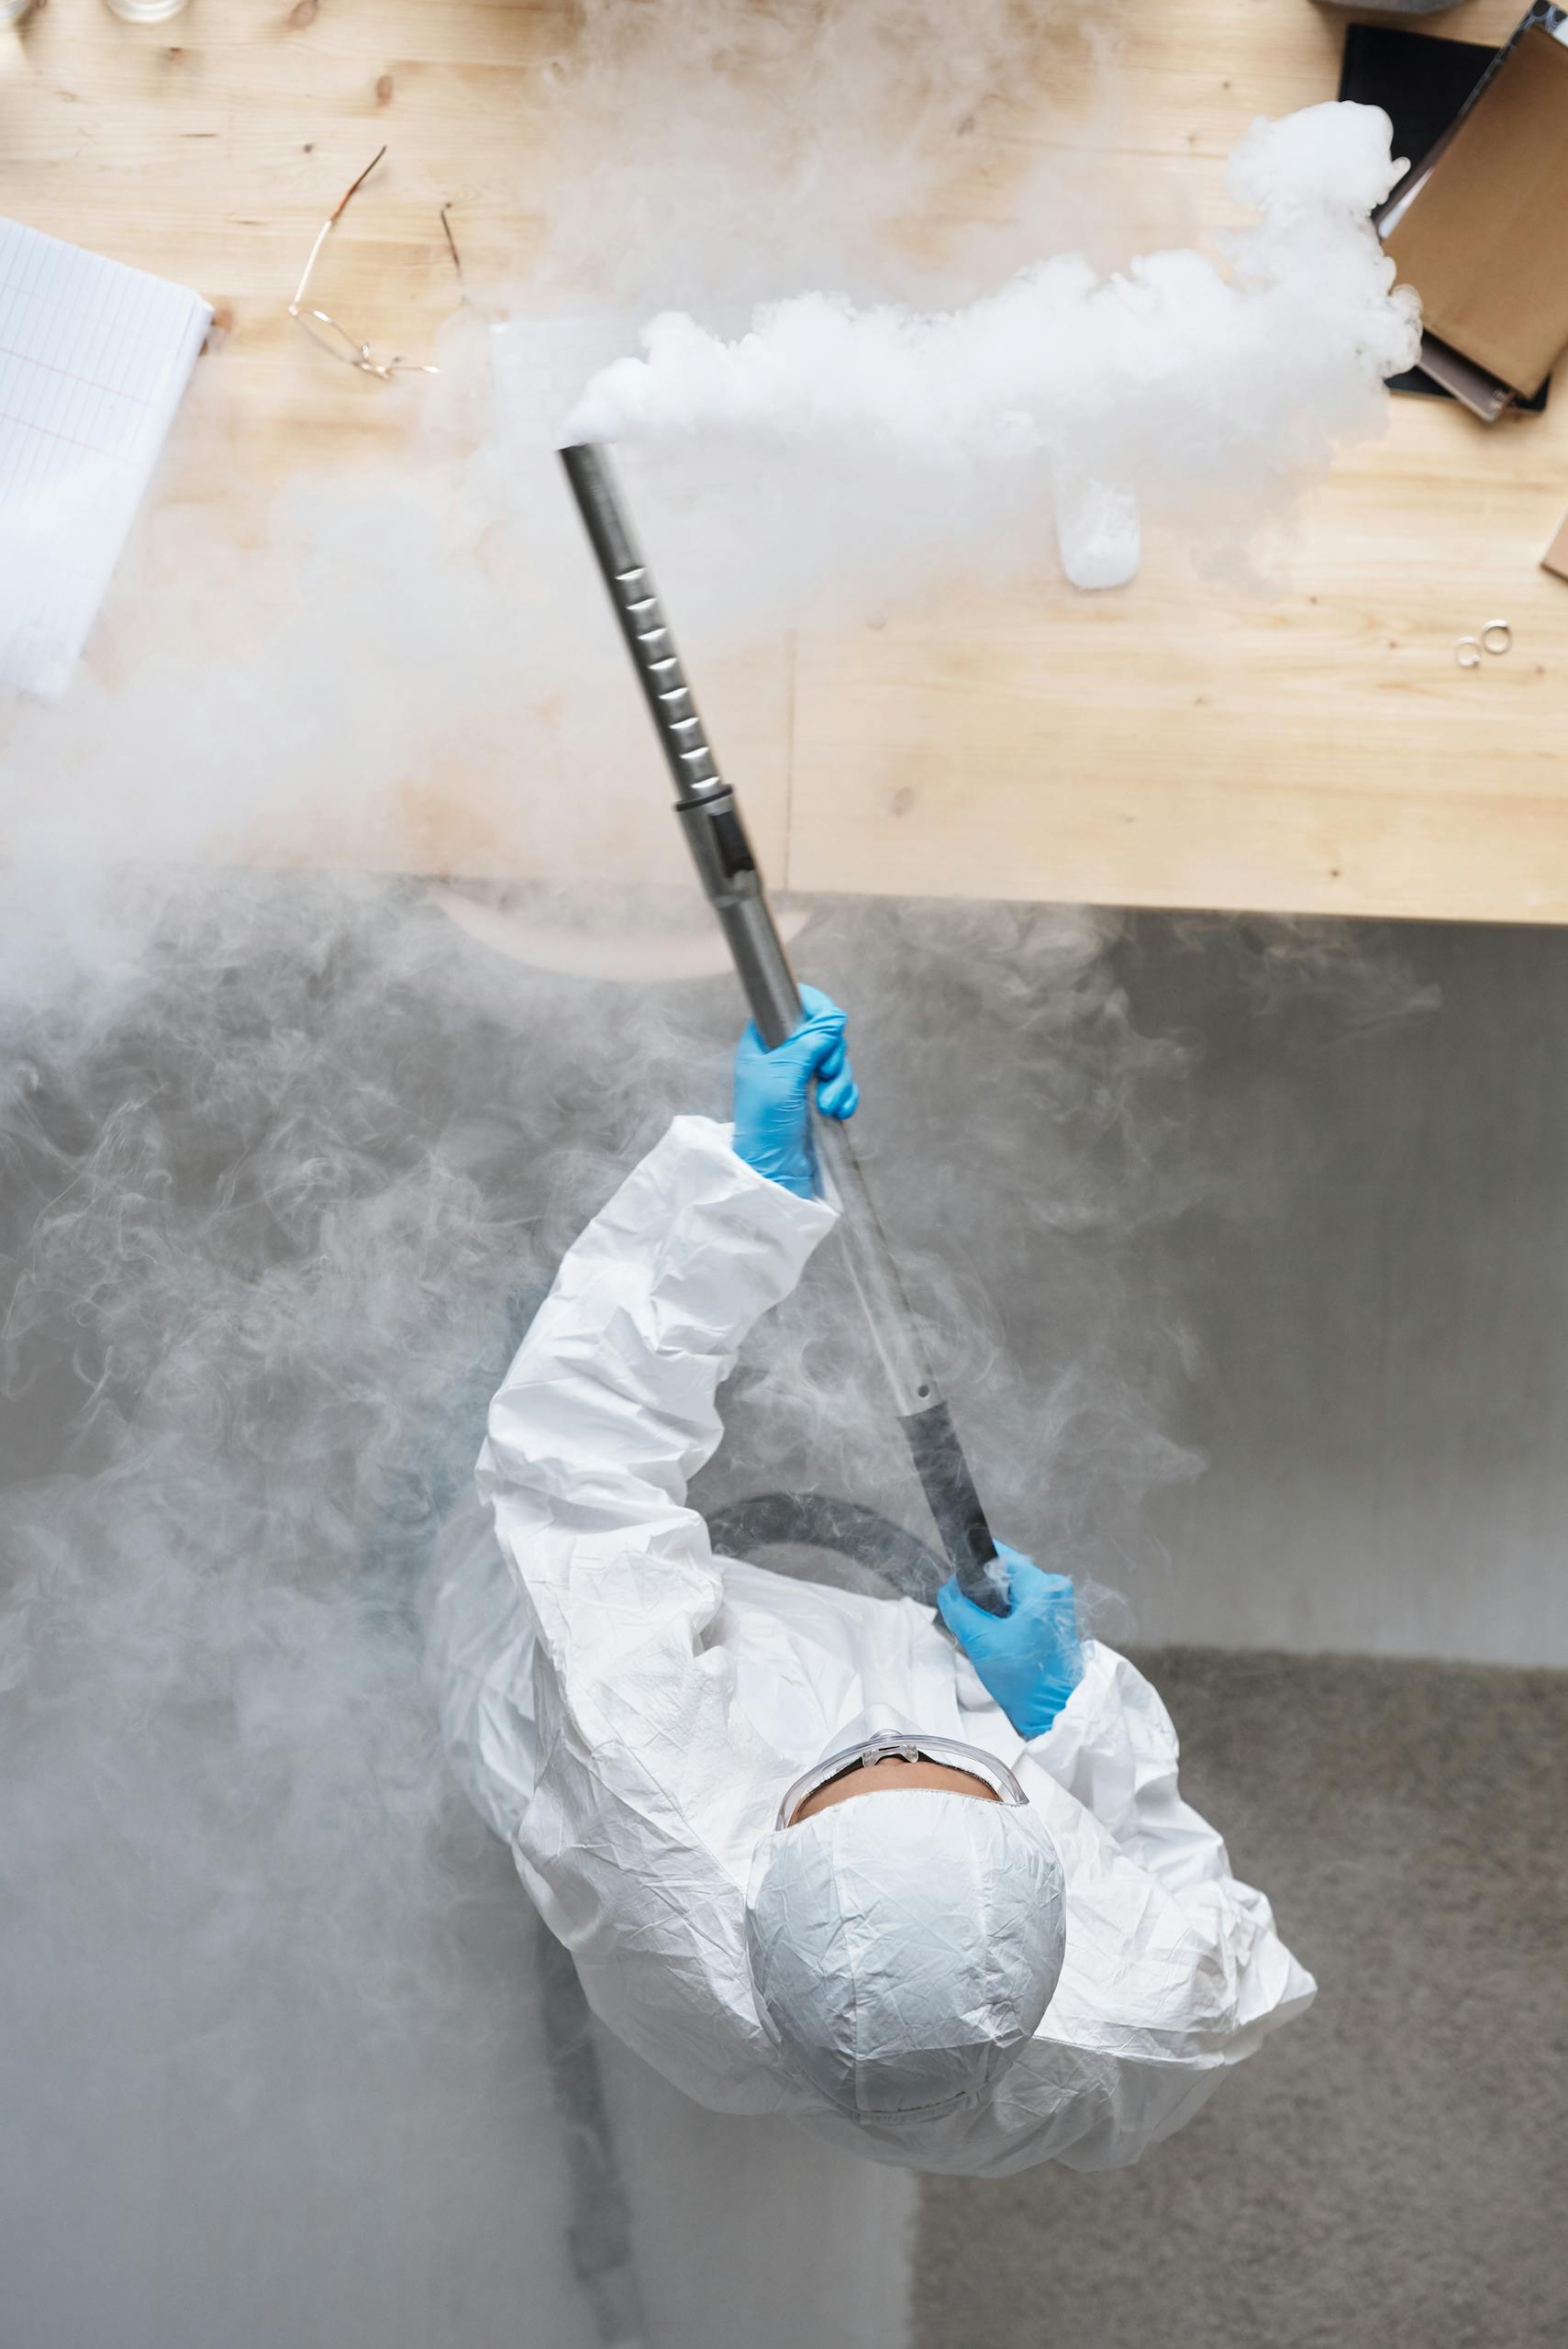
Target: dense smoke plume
{"points": [[1177, 390]]}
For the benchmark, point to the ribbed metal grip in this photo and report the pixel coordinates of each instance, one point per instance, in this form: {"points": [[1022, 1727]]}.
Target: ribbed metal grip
{"points": [[647, 632]]}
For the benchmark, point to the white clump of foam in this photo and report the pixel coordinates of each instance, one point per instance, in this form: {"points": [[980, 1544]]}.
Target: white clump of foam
{"points": [[1098, 534], [1179, 387]]}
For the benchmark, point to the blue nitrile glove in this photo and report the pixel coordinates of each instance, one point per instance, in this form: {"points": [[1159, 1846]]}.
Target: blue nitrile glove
{"points": [[773, 1094], [1030, 1660]]}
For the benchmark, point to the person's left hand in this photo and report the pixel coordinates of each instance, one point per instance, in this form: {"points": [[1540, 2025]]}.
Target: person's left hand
{"points": [[1030, 1659], [772, 1093]]}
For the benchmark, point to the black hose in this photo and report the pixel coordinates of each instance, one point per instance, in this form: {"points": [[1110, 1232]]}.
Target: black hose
{"points": [[821, 1522], [598, 2232]]}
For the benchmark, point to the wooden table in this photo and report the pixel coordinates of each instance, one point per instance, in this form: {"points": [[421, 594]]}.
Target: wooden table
{"points": [[1309, 746]]}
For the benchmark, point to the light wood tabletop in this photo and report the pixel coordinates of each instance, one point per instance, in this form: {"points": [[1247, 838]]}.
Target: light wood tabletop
{"points": [[1302, 743]]}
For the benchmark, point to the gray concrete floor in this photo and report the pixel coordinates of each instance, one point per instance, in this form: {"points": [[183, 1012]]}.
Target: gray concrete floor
{"points": [[752, 2236], [1379, 1312]]}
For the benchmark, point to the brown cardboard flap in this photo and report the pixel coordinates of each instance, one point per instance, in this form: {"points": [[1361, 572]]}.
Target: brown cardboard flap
{"points": [[1485, 240], [1556, 556]]}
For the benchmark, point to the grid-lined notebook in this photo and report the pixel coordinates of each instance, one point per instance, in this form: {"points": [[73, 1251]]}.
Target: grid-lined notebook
{"points": [[93, 358]]}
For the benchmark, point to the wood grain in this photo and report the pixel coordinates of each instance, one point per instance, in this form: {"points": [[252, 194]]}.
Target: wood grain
{"points": [[1303, 744], [1306, 745]]}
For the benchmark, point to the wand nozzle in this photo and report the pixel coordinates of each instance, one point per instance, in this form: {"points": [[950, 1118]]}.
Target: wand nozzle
{"points": [[733, 885]]}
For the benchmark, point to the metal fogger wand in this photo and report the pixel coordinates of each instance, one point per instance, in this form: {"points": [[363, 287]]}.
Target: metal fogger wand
{"points": [[717, 838]]}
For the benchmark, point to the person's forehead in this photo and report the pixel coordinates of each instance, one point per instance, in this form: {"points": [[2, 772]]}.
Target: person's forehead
{"points": [[890, 1773]]}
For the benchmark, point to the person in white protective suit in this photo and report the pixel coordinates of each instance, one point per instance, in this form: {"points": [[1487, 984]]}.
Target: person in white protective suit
{"points": [[921, 1880]]}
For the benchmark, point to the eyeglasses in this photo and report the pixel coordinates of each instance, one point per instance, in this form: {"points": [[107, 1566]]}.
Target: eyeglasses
{"points": [[949, 1752], [324, 331]]}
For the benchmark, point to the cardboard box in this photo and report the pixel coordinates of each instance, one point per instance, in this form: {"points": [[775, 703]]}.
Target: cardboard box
{"points": [[1483, 235]]}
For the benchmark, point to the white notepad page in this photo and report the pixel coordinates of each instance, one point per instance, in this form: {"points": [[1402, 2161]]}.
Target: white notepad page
{"points": [[93, 358]]}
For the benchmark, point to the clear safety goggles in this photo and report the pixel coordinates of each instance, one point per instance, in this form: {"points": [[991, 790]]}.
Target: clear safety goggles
{"points": [[950, 1753]]}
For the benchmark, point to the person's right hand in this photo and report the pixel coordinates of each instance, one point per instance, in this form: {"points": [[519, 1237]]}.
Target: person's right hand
{"points": [[1030, 1660], [772, 1093]]}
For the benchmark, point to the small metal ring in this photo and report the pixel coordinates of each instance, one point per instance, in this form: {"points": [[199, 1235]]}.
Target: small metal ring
{"points": [[1497, 629], [1467, 653]]}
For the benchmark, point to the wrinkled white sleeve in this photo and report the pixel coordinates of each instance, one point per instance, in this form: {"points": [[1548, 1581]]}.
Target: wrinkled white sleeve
{"points": [[607, 1411], [1113, 1747], [1174, 1968]]}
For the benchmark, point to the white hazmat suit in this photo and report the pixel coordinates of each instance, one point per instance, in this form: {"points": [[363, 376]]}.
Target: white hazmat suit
{"points": [[628, 1709]]}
